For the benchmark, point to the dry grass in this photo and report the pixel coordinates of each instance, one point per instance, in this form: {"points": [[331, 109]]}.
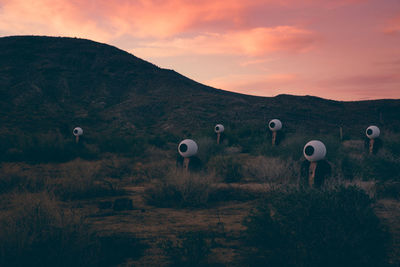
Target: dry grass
{"points": [[272, 170], [39, 232], [180, 189]]}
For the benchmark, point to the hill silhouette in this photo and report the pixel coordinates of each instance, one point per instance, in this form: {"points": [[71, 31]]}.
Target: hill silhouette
{"points": [[52, 83]]}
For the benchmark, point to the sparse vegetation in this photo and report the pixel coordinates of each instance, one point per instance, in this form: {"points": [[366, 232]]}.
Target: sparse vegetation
{"points": [[228, 167], [181, 189], [38, 231], [336, 227], [190, 249]]}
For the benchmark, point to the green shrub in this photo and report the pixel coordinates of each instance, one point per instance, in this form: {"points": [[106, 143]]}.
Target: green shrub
{"points": [[315, 228]]}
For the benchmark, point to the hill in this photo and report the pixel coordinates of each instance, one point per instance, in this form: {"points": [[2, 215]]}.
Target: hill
{"points": [[50, 84]]}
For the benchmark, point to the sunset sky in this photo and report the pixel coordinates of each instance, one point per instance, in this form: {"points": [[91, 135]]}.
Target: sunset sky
{"points": [[343, 49]]}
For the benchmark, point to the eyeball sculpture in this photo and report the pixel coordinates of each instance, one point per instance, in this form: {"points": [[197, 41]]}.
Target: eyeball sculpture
{"points": [[372, 133], [274, 125], [187, 148], [77, 132], [314, 151], [219, 129]]}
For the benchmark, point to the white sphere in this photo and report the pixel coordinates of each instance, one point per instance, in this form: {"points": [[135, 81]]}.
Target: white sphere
{"points": [[77, 131], [219, 128], [275, 125], [187, 148], [314, 151], [372, 132]]}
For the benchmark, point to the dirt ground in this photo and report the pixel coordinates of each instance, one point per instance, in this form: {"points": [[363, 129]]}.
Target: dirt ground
{"points": [[152, 225]]}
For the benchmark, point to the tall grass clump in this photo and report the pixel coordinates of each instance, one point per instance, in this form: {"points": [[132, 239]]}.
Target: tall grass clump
{"points": [[228, 167], [272, 170], [296, 227], [81, 179], [180, 189]]}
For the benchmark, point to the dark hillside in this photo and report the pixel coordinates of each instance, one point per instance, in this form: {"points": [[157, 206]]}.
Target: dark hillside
{"points": [[50, 84]]}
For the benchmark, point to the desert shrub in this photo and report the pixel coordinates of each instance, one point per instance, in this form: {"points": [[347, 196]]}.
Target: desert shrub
{"points": [[79, 179], [227, 167], [268, 169], [207, 148], [180, 189], [190, 249], [11, 178], [388, 189], [346, 167], [124, 145], [16, 177], [40, 232], [116, 167], [249, 137], [232, 193], [391, 142], [291, 147], [45, 147], [160, 140], [151, 170], [297, 227], [381, 167]]}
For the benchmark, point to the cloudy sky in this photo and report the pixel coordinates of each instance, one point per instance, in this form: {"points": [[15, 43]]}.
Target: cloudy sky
{"points": [[337, 49]]}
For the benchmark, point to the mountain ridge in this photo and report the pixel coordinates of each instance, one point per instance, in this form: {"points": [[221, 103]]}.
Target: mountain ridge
{"points": [[60, 82]]}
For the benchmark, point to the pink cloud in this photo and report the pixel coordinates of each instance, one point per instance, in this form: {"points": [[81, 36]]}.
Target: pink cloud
{"points": [[47, 17], [363, 80], [252, 42], [106, 19], [393, 26], [255, 84]]}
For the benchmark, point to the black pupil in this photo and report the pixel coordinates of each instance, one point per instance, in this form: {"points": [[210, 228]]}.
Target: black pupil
{"points": [[76, 131], [217, 128], [183, 148], [272, 124], [369, 131], [309, 150]]}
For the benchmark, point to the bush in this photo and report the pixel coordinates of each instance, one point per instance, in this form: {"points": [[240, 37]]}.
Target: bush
{"points": [[268, 169], [383, 168], [207, 148], [191, 249], [316, 228], [227, 167], [79, 180], [18, 178], [40, 232], [180, 189]]}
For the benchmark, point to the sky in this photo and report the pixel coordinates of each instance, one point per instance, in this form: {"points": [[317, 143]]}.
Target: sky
{"points": [[335, 49]]}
